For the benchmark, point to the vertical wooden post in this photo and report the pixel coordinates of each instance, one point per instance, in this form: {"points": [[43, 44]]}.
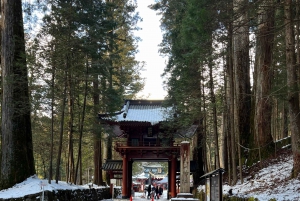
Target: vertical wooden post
{"points": [[173, 177], [124, 177], [129, 179]]}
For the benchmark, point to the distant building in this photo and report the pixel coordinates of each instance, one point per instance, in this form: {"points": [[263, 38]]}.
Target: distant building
{"points": [[154, 172], [138, 182]]}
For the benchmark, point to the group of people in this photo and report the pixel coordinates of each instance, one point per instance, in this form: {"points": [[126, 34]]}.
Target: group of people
{"points": [[155, 192]]}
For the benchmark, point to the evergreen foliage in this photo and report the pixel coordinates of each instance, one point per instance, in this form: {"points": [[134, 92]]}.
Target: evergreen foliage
{"points": [[230, 70], [200, 36], [80, 43]]}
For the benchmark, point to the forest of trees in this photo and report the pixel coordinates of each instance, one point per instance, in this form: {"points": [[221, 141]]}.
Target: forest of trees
{"points": [[233, 69], [80, 59]]}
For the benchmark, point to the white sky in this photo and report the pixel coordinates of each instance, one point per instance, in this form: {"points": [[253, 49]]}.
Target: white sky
{"points": [[151, 36]]}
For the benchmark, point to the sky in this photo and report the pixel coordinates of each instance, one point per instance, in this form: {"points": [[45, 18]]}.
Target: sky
{"points": [[151, 36], [270, 182]]}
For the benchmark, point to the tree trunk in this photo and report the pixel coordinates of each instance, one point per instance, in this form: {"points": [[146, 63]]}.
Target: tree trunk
{"points": [[199, 147], [228, 117], [17, 162], [214, 113], [285, 132], [241, 68], [293, 96], [70, 166], [230, 107], [229, 99], [198, 153], [297, 35], [232, 103], [204, 128], [98, 179], [61, 134], [52, 125], [232, 128], [264, 75], [81, 124]]}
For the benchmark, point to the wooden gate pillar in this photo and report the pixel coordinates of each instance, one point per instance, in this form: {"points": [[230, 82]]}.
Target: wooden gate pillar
{"points": [[124, 177], [129, 181], [173, 177]]}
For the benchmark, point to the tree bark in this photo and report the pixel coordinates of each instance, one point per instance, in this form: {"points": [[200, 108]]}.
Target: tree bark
{"points": [[241, 69], [17, 162], [98, 178], [264, 75], [61, 133], [293, 96], [214, 115], [71, 168], [81, 125], [297, 35], [52, 125], [228, 121]]}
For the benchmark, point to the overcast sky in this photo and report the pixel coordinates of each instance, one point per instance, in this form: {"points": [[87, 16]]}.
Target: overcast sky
{"points": [[151, 36]]}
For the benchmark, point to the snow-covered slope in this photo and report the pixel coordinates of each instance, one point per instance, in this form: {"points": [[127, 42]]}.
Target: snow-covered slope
{"points": [[272, 181]]}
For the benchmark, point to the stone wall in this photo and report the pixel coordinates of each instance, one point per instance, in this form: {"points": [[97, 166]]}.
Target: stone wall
{"points": [[67, 195]]}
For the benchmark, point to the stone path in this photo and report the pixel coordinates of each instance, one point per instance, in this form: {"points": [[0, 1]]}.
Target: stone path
{"points": [[140, 197]]}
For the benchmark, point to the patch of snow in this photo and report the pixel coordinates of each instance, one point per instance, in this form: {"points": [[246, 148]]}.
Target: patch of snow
{"points": [[270, 182], [34, 185]]}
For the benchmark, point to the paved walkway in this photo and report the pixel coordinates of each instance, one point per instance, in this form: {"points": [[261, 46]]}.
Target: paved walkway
{"points": [[140, 197]]}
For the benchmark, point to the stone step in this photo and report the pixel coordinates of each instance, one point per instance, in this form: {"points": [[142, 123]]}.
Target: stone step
{"points": [[184, 199], [185, 195]]}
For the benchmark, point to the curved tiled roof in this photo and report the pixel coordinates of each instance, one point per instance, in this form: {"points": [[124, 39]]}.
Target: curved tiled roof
{"points": [[113, 165], [140, 111]]}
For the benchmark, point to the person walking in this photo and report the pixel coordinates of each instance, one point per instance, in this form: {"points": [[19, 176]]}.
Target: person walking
{"points": [[156, 192], [153, 192], [160, 191], [145, 191], [149, 191]]}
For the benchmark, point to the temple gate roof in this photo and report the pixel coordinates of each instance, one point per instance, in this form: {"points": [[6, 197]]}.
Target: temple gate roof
{"points": [[150, 111]]}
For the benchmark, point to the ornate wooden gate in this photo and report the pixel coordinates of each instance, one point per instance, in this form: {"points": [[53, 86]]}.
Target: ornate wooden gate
{"points": [[139, 136]]}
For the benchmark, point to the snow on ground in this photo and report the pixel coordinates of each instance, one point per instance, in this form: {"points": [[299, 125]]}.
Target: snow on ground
{"points": [[34, 185], [270, 182], [265, 184]]}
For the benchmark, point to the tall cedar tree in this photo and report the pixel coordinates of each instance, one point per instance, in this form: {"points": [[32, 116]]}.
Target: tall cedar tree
{"points": [[84, 36], [184, 67], [251, 115], [241, 77], [17, 162], [263, 78], [293, 94]]}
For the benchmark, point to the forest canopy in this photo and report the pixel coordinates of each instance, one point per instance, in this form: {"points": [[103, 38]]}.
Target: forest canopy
{"points": [[232, 69]]}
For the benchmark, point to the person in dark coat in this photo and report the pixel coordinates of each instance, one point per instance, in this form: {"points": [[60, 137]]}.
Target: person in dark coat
{"points": [[153, 192], [156, 193], [149, 191], [160, 191]]}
